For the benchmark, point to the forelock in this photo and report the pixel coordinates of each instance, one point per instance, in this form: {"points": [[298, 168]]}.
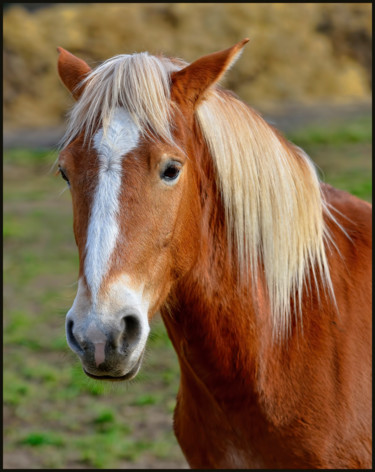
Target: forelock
{"points": [[139, 83]]}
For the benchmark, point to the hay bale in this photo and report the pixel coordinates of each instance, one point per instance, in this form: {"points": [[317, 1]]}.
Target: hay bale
{"points": [[298, 52]]}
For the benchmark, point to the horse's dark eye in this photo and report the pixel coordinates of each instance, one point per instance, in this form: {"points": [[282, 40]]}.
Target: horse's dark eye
{"points": [[63, 175], [171, 171]]}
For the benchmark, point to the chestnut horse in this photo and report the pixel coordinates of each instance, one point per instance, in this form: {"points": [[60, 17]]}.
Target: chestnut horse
{"points": [[186, 202]]}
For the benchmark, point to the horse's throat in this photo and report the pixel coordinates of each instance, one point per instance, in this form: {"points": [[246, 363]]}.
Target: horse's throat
{"points": [[216, 351]]}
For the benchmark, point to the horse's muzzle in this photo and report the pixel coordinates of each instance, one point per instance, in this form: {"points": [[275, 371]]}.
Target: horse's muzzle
{"points": [[108, 351]]}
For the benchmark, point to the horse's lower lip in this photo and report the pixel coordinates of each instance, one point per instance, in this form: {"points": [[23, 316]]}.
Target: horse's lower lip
{"points": [[113, 378], [109, 377]]}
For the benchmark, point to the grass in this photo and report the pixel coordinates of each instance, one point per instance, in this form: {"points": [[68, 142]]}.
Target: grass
{"points": [[335, 134], [54, 416], [42, 438], [341, 152]]}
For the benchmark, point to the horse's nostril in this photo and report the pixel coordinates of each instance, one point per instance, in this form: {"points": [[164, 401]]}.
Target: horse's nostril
{"points": [[71, 338], [131, 329], [131, 325]]}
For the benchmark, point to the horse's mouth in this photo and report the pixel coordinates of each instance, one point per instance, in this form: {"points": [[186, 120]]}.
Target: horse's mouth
{"points": [[129, 375]]}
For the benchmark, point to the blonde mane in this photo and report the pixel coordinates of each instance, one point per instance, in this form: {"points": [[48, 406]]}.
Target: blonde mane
{"points": [[270, 190], [273, 201]]}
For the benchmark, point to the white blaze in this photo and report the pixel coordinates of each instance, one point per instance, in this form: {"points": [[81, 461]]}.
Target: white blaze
{"points": [[121, 137]]}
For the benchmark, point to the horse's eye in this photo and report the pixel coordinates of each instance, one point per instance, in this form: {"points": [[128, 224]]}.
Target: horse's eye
{"points": [[171, 171], [64, 176]]}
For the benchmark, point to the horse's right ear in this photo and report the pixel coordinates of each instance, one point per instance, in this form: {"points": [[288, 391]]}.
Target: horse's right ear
{"points": [[72, 71]]}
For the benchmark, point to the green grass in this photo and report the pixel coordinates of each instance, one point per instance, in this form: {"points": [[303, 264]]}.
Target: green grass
{"points": [[42, 438], [54, 416], [335, 134], [341, 153]]}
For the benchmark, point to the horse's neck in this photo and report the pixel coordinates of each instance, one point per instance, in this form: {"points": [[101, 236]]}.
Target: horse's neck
{"points": [[212, 342]]}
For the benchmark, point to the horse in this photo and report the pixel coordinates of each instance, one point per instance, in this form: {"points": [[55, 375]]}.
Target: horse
{"points": [[187, 203]]}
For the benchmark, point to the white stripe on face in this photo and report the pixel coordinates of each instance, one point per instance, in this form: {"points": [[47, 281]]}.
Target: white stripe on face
{"points": [[121, 137]]}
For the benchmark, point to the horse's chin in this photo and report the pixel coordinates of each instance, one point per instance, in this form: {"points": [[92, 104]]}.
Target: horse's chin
{"points": [[117, 378]]}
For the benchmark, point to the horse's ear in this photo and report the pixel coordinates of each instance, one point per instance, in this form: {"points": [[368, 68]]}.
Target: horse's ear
{"points": [[190, 83], [71, 71]]}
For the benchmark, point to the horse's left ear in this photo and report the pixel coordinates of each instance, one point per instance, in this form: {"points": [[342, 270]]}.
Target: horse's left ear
{"points": [[72, 71], [190, 83]]}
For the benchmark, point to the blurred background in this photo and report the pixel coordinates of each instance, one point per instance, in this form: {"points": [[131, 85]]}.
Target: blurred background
{"points": [[307, 69]]}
